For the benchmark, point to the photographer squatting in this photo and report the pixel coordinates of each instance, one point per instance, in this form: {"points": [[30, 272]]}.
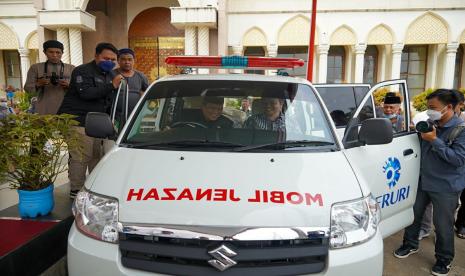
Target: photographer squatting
{"points": [[442, 179]]}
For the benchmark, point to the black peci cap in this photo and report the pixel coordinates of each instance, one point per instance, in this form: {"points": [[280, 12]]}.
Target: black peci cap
{"points": [[392, 98], [53, 44]]}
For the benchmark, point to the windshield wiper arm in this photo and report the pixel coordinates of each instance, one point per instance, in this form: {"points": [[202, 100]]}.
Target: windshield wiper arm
{"points": [[184, 143], [287, 144]]}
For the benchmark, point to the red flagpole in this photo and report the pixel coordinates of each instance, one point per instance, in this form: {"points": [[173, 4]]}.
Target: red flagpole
{"points": [[311, 46]]}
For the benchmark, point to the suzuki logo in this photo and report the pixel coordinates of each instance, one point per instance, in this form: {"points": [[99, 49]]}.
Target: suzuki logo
{"points": [[222, 260]]}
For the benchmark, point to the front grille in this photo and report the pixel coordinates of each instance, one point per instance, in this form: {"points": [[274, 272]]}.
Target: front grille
{"points": [[177, 256]]}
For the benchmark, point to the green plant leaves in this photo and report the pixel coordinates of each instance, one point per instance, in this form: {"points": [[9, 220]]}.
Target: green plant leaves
{"points": [[31, 156]]}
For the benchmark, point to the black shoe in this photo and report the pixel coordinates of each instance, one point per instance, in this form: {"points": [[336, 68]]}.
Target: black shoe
{"points": [[404, 251], [441, 268], [461, 232], [73, 193]]}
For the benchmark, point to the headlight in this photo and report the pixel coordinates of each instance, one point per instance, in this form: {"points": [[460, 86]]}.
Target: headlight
{"points": [[354, 222], [96, 216]]}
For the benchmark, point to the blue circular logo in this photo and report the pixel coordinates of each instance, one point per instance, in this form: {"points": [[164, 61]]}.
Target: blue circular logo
{"points": [[392, 171]]}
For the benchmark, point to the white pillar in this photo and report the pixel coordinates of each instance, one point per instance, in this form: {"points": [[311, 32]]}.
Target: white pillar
{"points": [[237, 51], [359, 62], [348, 68], [190, 41], [322, 62], [449, 68], [25, 63], [432, 66], [63, 37], [75, 45], [396, 59], [272, 50], [203, 41], [203, 45], [381, 63]]}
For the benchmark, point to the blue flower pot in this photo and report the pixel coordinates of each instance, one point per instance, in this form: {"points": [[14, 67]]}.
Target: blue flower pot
{"points": [[36, 203]]}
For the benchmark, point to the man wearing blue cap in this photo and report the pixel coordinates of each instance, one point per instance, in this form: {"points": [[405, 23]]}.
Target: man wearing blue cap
{"points": [[137, 81]]}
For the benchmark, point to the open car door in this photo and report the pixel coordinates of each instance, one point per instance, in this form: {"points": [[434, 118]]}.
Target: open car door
{"points": [[390, 170], [119, 113]]}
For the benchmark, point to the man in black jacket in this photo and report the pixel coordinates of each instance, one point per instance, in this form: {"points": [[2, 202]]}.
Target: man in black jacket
{"points": [[91, 86]]}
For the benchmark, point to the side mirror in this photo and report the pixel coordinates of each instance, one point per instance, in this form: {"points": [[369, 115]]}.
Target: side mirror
{"points": [[376, 131], [99, 125]]}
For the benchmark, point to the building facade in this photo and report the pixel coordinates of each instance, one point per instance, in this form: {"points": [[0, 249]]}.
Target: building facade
{"points": [[367, 41]]}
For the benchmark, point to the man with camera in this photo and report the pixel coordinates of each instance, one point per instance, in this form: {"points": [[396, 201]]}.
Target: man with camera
{"points": [[442, 178], [50, 79]]}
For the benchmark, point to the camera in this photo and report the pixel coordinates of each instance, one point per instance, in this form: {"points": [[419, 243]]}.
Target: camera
{"points": [[54, 79], [424, 126]]}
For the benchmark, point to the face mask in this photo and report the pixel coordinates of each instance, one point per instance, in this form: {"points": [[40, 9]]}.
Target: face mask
{"points": [[434, 114], [390, 116], [106, 65]]}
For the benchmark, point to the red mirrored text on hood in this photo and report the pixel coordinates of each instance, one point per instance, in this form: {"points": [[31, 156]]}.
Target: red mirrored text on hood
{"points": [[224, 195]]}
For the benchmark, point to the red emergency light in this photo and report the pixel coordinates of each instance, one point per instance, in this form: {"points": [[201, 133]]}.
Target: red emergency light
{"points": [[234, 62]]}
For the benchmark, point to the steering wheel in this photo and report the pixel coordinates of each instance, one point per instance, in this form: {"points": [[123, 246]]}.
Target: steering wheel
{"points": [[189, 124]]}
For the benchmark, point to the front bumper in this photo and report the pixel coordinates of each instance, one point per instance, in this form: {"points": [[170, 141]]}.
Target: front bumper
{"points": [[87, 256]]}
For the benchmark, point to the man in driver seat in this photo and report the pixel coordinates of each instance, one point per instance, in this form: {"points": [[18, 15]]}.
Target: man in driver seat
{"points": [[210, 114]]}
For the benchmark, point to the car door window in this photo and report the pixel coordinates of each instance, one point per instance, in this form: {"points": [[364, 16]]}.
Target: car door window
{"points": [[340, 102], [393, 106]]}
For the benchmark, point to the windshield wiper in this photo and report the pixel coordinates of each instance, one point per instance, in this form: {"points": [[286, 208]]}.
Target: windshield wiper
{"points": [[286, 144], [184, 143]]}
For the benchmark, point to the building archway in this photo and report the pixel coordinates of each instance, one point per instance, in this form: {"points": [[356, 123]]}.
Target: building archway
{"points": [[380, 35], [254, 37], [429, 28], [10, 66], [296, 32], [153, 38]]}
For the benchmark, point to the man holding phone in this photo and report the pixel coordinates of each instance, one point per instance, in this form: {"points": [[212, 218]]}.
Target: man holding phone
{"points": [[49, 80]]}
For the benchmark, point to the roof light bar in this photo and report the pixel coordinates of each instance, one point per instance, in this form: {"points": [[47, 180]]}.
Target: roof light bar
{"points": [[238, 62]]}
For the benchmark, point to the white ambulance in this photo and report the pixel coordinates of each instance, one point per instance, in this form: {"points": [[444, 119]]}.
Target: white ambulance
{"points": [[197, 185]]}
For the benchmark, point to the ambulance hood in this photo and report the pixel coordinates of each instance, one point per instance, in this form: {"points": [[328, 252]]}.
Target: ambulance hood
{"points": [[225, 189]]}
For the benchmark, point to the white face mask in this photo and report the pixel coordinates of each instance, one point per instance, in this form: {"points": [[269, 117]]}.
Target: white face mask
{"points": [[435, 115], [390, 116]]}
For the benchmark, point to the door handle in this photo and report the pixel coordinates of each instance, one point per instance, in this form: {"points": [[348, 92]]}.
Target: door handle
{"points": [[408, 152]]}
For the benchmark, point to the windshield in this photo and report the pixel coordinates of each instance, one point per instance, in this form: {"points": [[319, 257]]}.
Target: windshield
{"points": [[229, 116]]}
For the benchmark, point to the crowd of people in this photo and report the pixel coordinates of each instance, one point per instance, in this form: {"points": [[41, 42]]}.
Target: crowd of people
{"points": [[60, 88], [64, 89]]}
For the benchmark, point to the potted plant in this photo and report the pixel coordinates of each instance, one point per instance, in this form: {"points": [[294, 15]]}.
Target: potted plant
{"points": [[32, 156]]}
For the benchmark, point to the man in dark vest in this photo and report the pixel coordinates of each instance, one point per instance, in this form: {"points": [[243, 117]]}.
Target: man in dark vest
{"points": [[92, 85]]}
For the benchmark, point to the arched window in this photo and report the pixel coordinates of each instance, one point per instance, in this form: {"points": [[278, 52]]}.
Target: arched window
{"points": [[413, 68], [370, 65], [11, 63], [336, 63], [458, 68], [255, 51], [295, 52]]}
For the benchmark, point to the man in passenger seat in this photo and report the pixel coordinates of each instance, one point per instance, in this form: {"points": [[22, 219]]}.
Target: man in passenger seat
{"points": [[210, 114], [272, 117], [391, 111]]}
